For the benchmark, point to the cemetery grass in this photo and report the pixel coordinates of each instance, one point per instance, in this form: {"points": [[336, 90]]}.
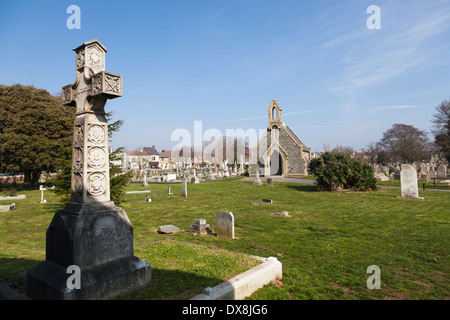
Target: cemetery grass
{"points": [[428, 185], [325, 247]]}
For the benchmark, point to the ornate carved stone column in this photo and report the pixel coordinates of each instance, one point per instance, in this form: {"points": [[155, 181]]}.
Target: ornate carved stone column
{"points": [[90, 232]]}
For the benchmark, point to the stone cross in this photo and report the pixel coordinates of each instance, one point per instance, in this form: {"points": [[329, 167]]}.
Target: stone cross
{"points": [[42, 189], [92, 88], [91, 232]]}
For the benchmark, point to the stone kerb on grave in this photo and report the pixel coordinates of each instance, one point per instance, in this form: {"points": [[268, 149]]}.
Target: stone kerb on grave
{"points": [[91, 232]]}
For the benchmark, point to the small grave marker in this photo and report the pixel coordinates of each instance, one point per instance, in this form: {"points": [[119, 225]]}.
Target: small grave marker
{"points": [[225, 225]]}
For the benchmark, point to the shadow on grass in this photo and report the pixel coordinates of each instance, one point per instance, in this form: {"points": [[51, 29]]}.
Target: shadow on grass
{"points": [[304, 188], [164, 285], [12, 269], [172, 285]]}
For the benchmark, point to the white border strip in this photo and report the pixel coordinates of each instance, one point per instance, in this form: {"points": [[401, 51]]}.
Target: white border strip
{"points": [[243, 285]]}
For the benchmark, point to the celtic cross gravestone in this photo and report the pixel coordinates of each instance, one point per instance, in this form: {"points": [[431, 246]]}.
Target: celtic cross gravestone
{"points": [[91, 232]]}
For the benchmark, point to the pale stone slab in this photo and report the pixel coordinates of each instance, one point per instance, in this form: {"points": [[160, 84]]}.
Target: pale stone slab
{"points": [[282, 214], [168, 229], [199, 227], [225, 224], [408, 180], [18, 197]]}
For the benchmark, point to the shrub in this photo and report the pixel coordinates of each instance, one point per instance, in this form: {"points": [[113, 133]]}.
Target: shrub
{"points": [[337, 171]]}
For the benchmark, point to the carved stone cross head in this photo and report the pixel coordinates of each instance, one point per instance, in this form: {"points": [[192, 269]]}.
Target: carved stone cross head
{"points": [[93, 85], [90, 156]]}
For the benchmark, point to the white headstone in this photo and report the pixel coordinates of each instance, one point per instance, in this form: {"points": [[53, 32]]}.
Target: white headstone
{"points": [[408, 180], [225, 225]]}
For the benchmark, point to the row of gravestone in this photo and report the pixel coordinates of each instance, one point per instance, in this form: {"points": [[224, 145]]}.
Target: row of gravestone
{"points": [[441, 170], [224, 224]]}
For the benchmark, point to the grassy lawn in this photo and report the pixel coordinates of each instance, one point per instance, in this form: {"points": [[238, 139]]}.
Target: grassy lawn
{"points": [[325, 247], [428, 185]]}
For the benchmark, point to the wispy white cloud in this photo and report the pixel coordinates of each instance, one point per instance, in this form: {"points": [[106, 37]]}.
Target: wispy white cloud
{"points": [[391, 108], [412, 38]]}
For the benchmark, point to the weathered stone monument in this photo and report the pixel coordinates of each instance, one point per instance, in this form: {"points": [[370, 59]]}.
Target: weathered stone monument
{"points": [[199, 227], [145, 183], [225, 225], [194, 178], [226, 173], [408, 180], [184, 186], [257, 181], [241, 164], [269, 182], [91, 232], [442, 172]]}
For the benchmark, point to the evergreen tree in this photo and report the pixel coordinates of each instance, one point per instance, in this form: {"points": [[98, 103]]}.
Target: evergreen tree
{"points": [[34, 131]]}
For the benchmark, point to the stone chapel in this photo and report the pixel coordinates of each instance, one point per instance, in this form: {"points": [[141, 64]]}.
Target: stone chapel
{"points": [[279, 152]]}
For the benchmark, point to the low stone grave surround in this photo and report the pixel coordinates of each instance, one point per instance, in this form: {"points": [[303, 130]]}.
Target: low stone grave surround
{"points": [[18, 197], [245, 284]]}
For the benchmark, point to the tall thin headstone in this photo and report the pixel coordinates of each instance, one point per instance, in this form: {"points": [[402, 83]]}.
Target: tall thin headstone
{"points": [[184, 186], [145, 183], [408, 180], [225, 225], [442, 172], [91, 232], [241, 164]]}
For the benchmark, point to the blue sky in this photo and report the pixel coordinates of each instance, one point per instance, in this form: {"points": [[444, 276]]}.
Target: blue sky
{"points": [[222, 62]]}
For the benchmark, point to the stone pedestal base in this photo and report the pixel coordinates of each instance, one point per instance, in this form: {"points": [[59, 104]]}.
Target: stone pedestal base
{"points": [[48, 281], [98, 238]]}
